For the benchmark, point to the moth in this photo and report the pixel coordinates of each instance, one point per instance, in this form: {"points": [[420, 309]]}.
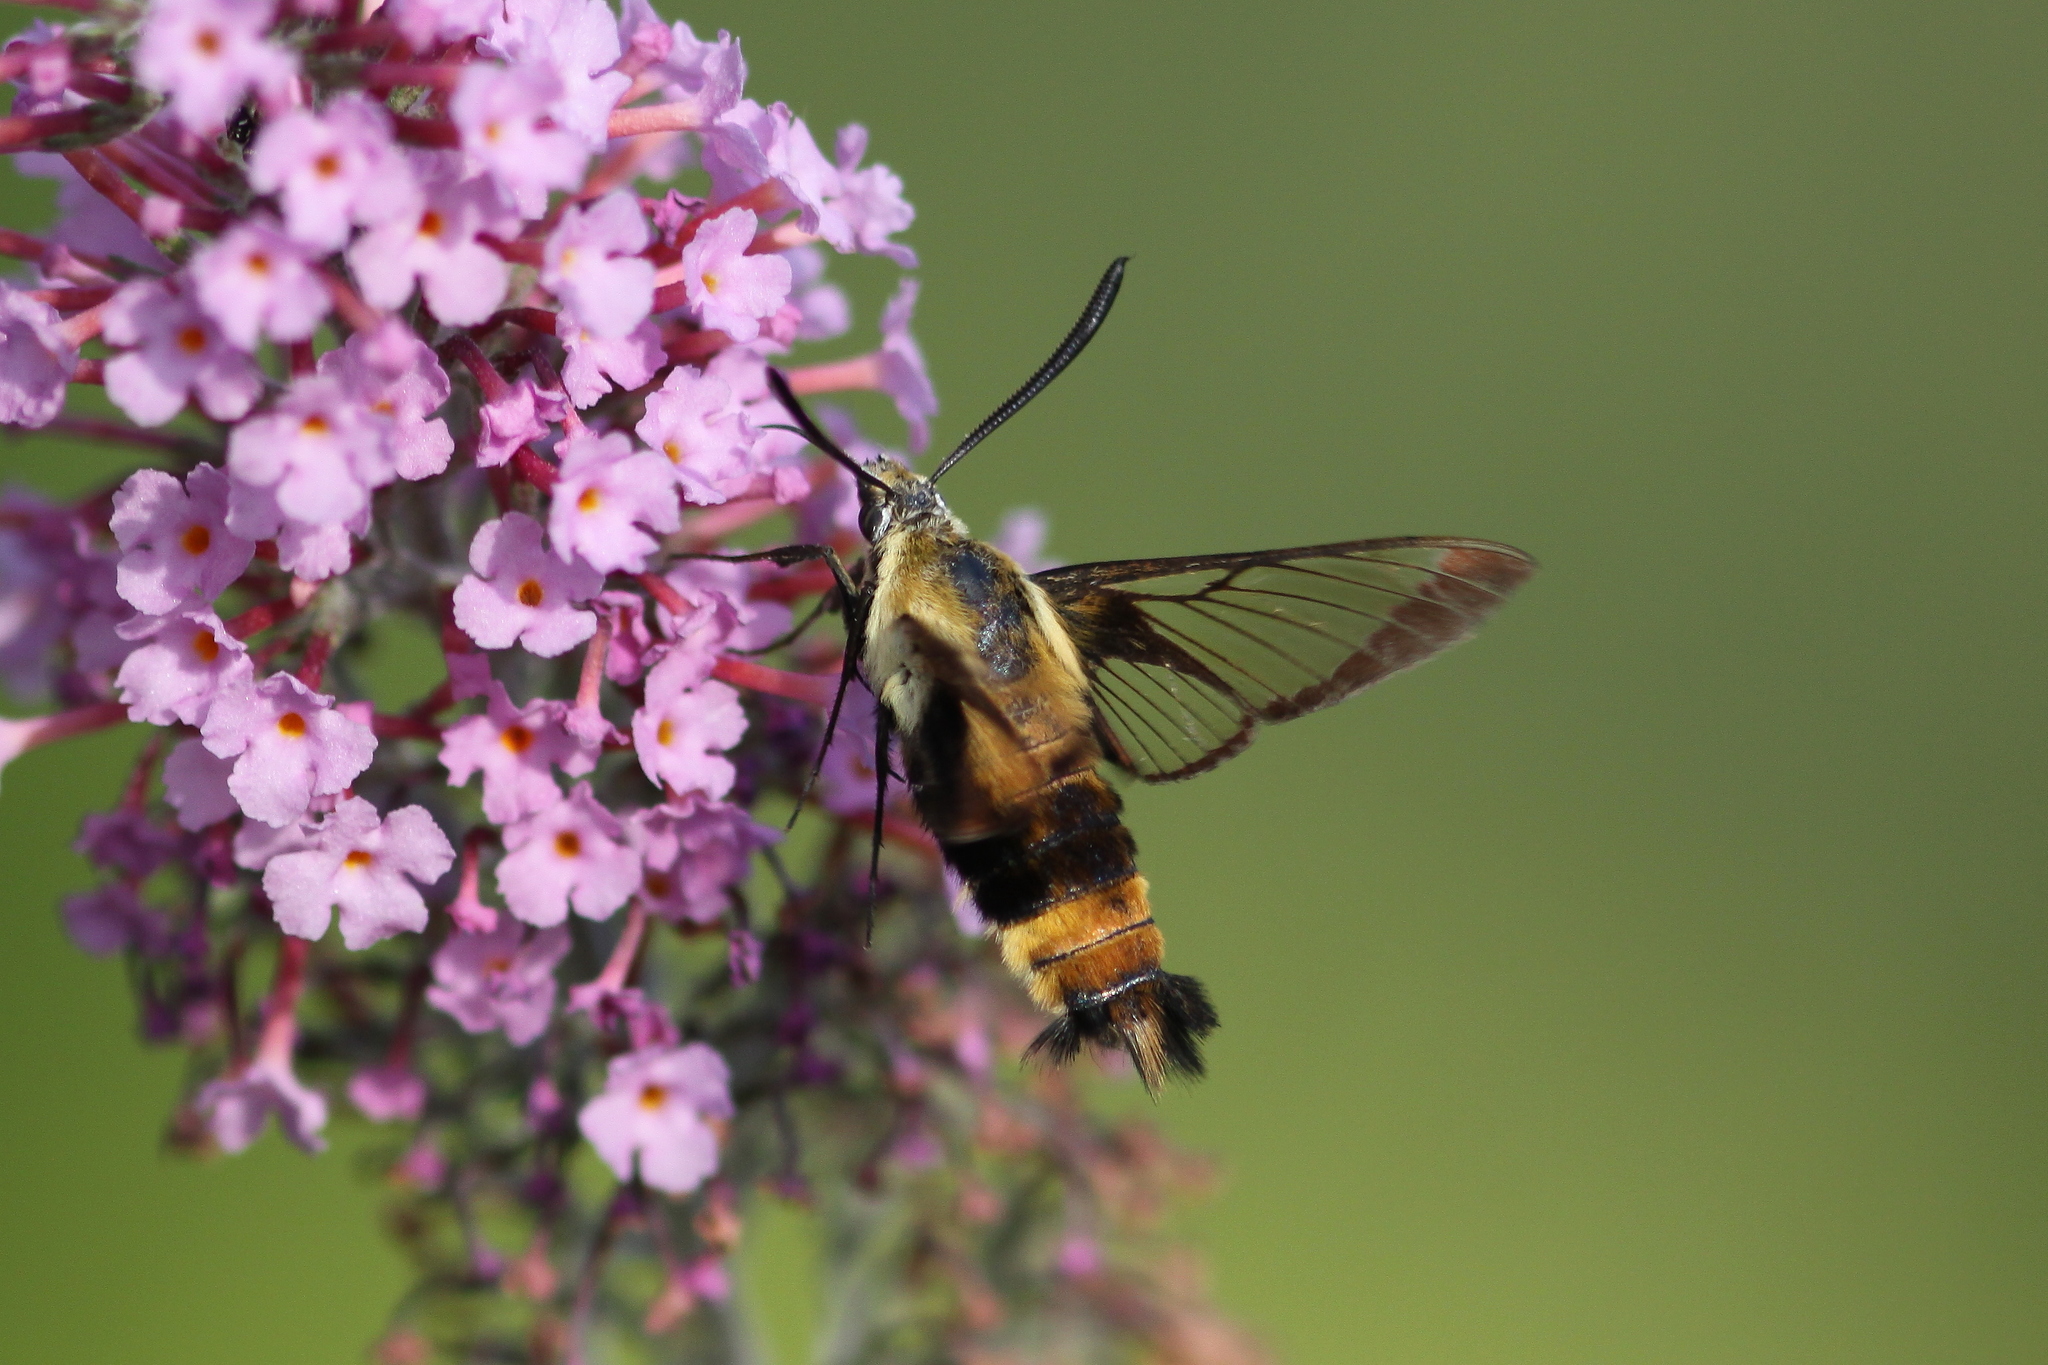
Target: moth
{"points": [[1011, 692]]}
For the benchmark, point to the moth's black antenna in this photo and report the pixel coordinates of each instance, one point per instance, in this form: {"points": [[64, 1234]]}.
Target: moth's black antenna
{"points": [[1083, 333], [812, 432]]}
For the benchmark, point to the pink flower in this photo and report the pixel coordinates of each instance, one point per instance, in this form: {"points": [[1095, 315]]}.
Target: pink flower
{"points": [[578, 41], [236, 1106], [254, 281], [125, 840], [35, 360], [684, 728], [388, 1093], [625, 1011], [510, 421], [607, 492], [332, 168], [735, 620], [695, 850], [196, 785], [178, 353], [1021, 536], [434, 241], [289, 745], [592, 364], [522, 594], [424, 21], [569, 854], [495, 981], [207, 54], [176, 548], [112, 919], [652, 1114], [501, 112], [697, 424], [400, 381], [190, 657], [711, 76], [871, 201], [730, 290], [749, 145], [517, 750], [364, 865], [593, 265], [822, 309], [317, 453], [904, 377]]}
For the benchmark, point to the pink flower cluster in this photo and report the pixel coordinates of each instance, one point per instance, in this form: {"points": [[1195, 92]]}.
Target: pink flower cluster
{"points": [[523, 316]]}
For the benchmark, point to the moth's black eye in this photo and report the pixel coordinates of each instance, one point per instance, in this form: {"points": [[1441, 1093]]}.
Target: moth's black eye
{"points": [[874, 520]]}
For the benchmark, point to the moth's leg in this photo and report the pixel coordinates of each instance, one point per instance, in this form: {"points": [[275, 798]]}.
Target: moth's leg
{"points": [[884, 731], [793, 634], [785, 556], [848, 670]]}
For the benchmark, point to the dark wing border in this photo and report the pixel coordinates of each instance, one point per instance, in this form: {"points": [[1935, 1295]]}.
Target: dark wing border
{"points": [[1432, 606]]}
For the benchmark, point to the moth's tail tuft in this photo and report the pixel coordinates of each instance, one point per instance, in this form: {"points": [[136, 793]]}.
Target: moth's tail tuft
{"points": [[1159, 1019]]}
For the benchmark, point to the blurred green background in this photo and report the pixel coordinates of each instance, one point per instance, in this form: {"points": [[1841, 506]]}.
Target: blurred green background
{"points": [[1657, 978]]}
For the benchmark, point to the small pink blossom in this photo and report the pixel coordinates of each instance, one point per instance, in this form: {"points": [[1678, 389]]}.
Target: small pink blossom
{"points": [[749, 145], [871, 201], [36, 360], [521, 414], [696, 423], [196, 785], [624, 1011], [332, 168], [176, 548], [366, 867], [499, 980], [236, 1106], [591, 365], [904, 377], [289, 744], [399, 381], [254, 281], [709, 76], [317, 453], [578, 41], [125, 840], [652, 1115], [517, 750], [685, 727], [502, 113], [177, 354], [188, 660], [695, 850], [424, 21], [391, 1093], [520, 593], [572, 853], [730, 290], [207, 54], [434, 241], [593, 265], [607, 493]]}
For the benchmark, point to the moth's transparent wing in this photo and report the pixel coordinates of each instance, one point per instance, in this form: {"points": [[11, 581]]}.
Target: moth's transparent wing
{"points": [[1187, 657]]}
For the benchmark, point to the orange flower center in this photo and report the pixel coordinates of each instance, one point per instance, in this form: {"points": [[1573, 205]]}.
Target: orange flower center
{"points": [[358, 859], [431, 223], [517, 738], [664, 732], [497, 966], [204, 647], [674, 451], [710, 284], [258, 263], [292, 725], [316, 425], [207, 41], [588, 501], [197, 540], [658, 885], [192, 340], [568, 844], [531, 594], [653, 1096], [328, 165]]}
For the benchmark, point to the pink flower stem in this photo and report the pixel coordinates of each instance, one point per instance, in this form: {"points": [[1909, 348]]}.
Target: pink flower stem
{"points": [[95, 86], [25, 132], [593, 664], [281, 1009], [99, 173], [21, 246], [695, 346], [528, 465], [137, 795], [814, 688], [671, 296], [715, 525], [551, 380], [83, 327], [261, 617], [662, 591], [403, 727], [91, 370], [767, 197], [685, 116], [377, 33], [781, 237], [357, 314], [861, 372], [791, 586], [532, 319], [61, 299], [428, 132], [144, 163], [519, 253], [620, 964], [314, 666], [17, 737], [94, 430], [463, 348]]}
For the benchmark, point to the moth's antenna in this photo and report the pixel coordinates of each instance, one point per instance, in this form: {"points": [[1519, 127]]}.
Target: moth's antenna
{"points": [[815, 435], [1083, 333]]}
